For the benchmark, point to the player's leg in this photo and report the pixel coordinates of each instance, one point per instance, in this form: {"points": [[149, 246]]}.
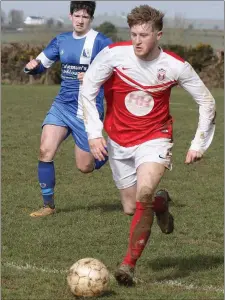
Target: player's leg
{"points": [[85, 161], [161, 205], [162, 154], [149, 174], [122, 164], [148, 178], [124, 174], [53, 133], [51, 138], [128, 199], [159, 151]]}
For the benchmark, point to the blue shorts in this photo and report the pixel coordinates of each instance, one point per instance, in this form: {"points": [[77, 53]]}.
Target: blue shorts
{"points": [[59, 115]]}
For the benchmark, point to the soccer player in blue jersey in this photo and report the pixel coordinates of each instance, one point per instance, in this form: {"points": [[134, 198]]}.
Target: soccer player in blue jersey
{"points": [[75, 50]]}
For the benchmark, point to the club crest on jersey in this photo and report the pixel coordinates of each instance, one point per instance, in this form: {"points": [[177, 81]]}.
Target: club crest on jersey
{"points": [[86, 53], [161, 74]]}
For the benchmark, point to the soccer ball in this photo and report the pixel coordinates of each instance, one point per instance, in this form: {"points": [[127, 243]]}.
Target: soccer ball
{"points": [[88, 277]]}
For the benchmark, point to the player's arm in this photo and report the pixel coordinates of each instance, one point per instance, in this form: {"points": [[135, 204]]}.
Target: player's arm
{"points": [[44, 60], [97, 74], [192, 83]]}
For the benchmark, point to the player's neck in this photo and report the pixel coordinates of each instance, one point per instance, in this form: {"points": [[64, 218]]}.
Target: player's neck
{"points": [[80, 35], [154, 54]]}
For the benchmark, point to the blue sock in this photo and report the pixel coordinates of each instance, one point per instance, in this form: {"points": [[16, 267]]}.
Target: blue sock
{"points": [[99, 164], [46, 177]]}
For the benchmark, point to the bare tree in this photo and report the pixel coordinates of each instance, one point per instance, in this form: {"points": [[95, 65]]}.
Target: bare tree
{"points": [[59, 23], [50, 22], [179, 25], [3, 17], [179, 21], [16, 17]]}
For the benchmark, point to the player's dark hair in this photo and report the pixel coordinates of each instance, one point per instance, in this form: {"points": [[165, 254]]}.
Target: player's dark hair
{"points": [[144, 14], [89, 6]]}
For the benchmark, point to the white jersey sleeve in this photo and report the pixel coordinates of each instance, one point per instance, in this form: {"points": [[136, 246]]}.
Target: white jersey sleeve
{"points": [[191, 82], [98, 72]]}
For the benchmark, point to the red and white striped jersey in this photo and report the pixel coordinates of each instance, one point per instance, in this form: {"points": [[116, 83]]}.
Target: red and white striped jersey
{"points": [[137, 94]]}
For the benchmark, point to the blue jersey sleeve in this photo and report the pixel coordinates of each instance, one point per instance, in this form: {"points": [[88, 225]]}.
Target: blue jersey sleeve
{"points": [[52, 51], [47, 57]]}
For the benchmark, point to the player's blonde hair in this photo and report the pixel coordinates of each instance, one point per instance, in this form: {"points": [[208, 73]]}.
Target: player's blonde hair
{"points": [[146, 14]]}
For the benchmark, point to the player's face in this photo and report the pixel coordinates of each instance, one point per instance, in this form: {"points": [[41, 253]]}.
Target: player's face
{"points": [[144, 40], [81, 21]]}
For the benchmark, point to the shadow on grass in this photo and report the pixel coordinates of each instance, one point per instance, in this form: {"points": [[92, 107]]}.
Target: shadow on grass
{"points": [[107, 294], [184, 266], [104, 207]]}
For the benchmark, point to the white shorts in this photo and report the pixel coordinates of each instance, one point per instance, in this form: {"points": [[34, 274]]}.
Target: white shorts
{"points": [[124, 161]]}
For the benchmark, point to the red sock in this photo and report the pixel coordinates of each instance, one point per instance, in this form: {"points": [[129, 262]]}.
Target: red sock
{"points": [[140, 230]]}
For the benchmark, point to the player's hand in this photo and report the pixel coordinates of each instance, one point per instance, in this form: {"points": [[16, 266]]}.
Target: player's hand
{"points": [[33, 64], [98, 148], [193, 156], [80, 76]]}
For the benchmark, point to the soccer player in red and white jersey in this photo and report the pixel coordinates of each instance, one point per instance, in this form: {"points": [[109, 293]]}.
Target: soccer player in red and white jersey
{"points": [[138, 77]]}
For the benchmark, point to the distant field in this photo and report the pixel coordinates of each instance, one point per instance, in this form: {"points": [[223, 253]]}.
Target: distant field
{"points": [[33, 37], [171, 36], [187, 37], [37, 253]]}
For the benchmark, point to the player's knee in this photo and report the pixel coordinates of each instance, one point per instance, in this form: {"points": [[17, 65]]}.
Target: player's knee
{"points": [[145, 194], [85, 168], [129, 207], [128, 200], [45, 154], [129, 211]]}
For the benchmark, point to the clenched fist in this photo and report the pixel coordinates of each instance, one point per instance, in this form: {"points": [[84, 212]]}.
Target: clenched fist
{"points": [[33, 64], [193, 156]]}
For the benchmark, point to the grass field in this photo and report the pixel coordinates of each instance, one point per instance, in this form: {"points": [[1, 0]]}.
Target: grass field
{"points": [[185, 37], [36, 253]]}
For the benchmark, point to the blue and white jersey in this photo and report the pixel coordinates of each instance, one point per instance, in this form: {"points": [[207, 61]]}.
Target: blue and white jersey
{"points": [[75, 55]]}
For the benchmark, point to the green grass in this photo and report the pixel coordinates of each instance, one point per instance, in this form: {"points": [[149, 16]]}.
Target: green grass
{"points": [[185, 37], [44, 37], [178, 36], [36, 253]]}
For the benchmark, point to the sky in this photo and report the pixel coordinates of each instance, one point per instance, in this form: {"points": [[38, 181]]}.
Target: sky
{"points": [[187, 9]]}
